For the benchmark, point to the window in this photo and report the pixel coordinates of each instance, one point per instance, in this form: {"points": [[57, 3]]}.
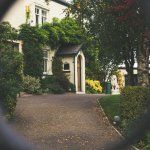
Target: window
{"points": [[37, 14], [45, 59], [40, 15], [66, 67], [44, 16]]}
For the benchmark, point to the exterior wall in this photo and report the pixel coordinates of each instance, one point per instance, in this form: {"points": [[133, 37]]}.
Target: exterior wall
{"points": [[70, 73], [56, 10], [17, 13], [82, 72]]}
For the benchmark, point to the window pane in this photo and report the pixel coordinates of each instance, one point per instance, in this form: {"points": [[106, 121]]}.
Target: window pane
{"points": [[37, 19], [36, 10], [66, 67]]}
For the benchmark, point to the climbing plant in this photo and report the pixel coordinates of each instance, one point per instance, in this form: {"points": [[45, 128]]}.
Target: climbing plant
{"points": [[62, 32], [33, 39]]}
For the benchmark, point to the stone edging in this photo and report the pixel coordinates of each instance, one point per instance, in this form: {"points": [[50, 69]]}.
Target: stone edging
{"points": [[112, 125]]}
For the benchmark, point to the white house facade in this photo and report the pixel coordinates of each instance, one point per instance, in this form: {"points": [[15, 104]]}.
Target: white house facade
{"points": [[36, 12]]}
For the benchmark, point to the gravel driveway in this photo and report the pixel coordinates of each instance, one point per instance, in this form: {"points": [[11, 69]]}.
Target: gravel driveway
{"points": [[62, 122]]}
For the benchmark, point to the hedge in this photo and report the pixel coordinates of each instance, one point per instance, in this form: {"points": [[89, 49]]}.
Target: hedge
{"points": [[135, 101], [10, 79]]}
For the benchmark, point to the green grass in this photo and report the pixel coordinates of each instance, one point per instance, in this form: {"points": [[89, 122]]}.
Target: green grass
{"points": [[111, 105]]}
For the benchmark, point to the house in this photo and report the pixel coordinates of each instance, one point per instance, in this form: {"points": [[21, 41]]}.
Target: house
{"points": [[36, 12]]}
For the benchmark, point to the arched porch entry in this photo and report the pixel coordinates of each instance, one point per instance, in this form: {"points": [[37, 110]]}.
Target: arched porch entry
{"points": [[79, 73]]}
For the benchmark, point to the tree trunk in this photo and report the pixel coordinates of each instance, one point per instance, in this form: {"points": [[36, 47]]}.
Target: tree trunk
{"points": [[131, 77], [129, 62], [143, 60]]}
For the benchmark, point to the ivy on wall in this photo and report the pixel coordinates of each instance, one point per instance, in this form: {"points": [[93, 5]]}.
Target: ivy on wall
{"points": [[33, 39], [62, 32], [55, 34]]}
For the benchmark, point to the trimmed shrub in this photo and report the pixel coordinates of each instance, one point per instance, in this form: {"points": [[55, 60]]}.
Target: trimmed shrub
{"points": [[93, 87], [135, 101], [31, 85], [50, 84], [11, 66]]}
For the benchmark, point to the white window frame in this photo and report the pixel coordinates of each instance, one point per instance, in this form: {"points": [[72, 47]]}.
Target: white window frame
{"points": [[37, 14], [42, 15], [45, 62]]}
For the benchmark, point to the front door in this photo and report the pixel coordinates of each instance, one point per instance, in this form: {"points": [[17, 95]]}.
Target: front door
{"points": [[79, 73]]}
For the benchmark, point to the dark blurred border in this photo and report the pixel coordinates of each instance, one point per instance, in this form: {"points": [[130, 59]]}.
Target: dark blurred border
{"points": [[4, 6]]}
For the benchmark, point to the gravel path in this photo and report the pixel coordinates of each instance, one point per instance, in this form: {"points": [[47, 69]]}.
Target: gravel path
{"points": [[62, 122]]}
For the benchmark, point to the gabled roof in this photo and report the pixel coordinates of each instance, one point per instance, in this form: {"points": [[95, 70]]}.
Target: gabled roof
{"points": [[63, 2], [69, 50]]}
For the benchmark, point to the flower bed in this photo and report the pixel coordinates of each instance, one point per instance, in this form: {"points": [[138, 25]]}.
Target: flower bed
{"points": [[93, 87]]}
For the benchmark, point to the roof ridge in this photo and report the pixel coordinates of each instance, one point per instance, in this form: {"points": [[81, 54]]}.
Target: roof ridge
{"points": [[63, 2]]}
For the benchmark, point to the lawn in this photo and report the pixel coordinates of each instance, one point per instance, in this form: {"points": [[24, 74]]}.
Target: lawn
{"points": [[111, 106]]}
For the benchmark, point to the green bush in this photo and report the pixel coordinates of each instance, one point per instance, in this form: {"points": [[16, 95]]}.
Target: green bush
{"points": [[90, 90], [93, 87], [31, 85], [50, 84], [135, 101], [11, 65], [57, 69]]}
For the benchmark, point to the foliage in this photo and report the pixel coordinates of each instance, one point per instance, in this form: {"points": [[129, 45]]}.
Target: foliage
{"points": [[59, 74], [120, 79], [57, 66], [6, 33], [31, 85], [135, 101], [102, 69], [10, 79], [93, 86], [62, 32], [34, 39], [72, 87], [50, 84], [118, 41]]}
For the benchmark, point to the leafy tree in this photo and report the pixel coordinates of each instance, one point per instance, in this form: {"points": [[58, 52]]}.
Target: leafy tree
{"points": [[134, 13], [7, 33], [34, 40], [102, 69], [10, 79], [105, 20], [10, 69]]}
